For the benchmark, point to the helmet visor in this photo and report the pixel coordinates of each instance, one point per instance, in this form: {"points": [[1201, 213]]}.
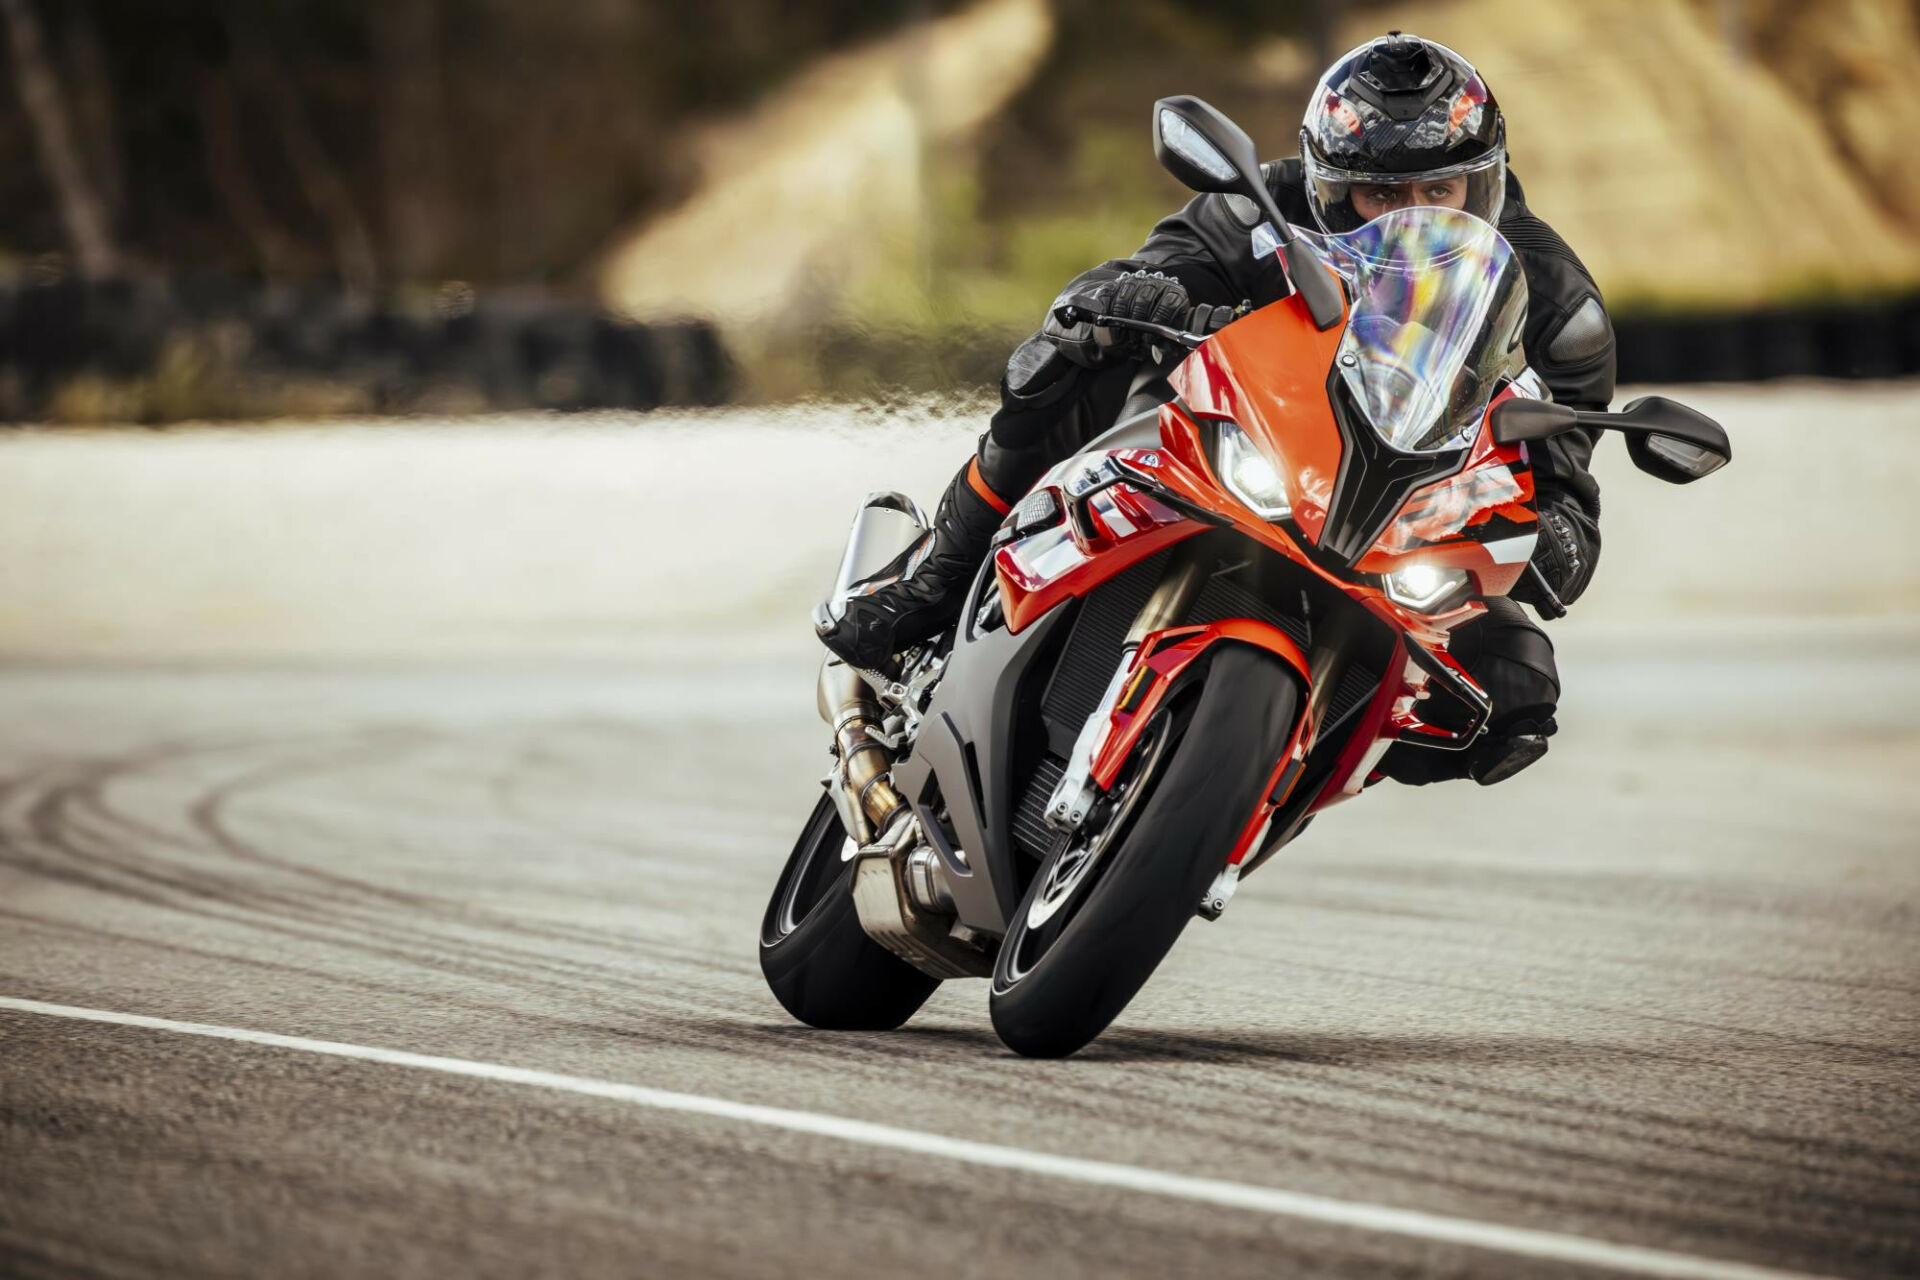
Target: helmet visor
{"points": [[1345, 200]]}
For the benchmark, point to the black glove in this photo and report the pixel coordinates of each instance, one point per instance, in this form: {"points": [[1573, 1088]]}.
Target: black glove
{"points": [[1131, 295], [1206, 320], [1563, 558], [1147, 295]]}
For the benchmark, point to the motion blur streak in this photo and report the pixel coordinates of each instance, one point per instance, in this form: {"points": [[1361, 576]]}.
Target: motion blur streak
{"points": [[1235, 1195]]}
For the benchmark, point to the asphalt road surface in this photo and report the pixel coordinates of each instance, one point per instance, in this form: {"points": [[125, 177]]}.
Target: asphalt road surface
{"points": [[1650, 1008]]}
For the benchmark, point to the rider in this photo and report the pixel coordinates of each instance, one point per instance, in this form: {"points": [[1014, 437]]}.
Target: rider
{"points": [[1397, 121]]}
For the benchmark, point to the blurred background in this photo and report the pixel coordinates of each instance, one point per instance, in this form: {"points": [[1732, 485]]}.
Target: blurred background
{"points": [[524, 286], [227, 209]]}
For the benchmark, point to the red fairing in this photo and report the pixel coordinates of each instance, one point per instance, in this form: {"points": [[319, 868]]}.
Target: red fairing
{"points": [[1267, 374], [1039, 571], [1157, 665]]}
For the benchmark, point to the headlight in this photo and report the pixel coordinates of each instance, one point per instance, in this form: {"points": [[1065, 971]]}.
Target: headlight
{"points": [[1424, 586], [1250, 475]]}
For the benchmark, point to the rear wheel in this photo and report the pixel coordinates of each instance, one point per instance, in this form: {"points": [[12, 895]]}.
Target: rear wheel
{"points": [[1105, 909], [819, 962]]}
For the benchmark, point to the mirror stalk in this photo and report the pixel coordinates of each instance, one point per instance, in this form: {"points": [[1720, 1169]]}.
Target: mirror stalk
{"points": [[1208, 152]]}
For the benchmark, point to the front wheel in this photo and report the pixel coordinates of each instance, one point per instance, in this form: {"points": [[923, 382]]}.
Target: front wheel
{"points": [[819, 962], [1103, 911]]}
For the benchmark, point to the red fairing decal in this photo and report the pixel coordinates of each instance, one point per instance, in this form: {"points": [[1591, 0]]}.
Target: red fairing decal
{"points": [[1124, 524]]}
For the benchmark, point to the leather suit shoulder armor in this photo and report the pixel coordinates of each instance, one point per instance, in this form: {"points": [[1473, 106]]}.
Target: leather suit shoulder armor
{"points": [[1569, 337]]}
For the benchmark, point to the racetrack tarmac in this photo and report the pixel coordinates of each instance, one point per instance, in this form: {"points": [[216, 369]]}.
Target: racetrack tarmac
{"points": [[1660, 992]]}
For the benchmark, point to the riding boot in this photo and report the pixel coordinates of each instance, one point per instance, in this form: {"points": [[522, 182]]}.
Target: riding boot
{"points": [[919, 592]]}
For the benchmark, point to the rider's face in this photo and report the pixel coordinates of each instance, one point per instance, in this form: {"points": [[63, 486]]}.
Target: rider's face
{"points": [[1373, 199]]}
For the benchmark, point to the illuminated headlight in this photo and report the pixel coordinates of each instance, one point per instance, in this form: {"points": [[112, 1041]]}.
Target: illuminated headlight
{"points": [[1251, 475], [1424, 586]]}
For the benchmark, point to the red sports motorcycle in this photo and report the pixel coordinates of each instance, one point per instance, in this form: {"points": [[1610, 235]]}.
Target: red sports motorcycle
{"points": [[1190, 638]]}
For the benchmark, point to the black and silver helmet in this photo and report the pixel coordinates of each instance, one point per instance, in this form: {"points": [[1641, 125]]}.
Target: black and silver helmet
{"points": [[1394, 113]]}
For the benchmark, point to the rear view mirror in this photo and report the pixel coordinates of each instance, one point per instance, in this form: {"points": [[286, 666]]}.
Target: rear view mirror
{"points": [[1202, 148], [1672, 459], [1665, 439], [1209, 152], [1671, 442]]}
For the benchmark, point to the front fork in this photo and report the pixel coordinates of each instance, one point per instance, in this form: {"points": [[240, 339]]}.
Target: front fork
{"points": [[1157, 649], [1078, 787]]}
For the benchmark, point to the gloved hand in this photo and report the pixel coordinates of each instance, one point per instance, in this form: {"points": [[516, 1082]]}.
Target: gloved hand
{"points": [[1133, 295], [1146, 295], [1558, 559]]}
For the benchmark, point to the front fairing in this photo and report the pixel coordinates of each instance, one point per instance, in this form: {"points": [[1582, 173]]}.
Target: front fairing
{"points": [[1468, 518]]}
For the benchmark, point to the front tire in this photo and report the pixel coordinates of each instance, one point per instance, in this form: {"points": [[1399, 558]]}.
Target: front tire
{"points": [[1073, 956], [818, 961]]}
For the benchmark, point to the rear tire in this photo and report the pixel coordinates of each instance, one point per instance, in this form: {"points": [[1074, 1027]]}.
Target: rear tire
{"points": [[818, 961], [1049, 1001]]}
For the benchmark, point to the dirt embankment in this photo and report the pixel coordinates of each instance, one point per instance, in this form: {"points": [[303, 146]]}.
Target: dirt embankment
{"points": [[1703, 153], [803, 191], [1696, 153]]}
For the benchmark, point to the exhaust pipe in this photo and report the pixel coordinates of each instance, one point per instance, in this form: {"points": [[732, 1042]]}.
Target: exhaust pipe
{"points": [[886, 524], [867, 802]]}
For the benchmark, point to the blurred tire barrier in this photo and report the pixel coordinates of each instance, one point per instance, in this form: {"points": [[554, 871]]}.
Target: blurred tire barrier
{"points": [[1864, 340], [213, 348]]}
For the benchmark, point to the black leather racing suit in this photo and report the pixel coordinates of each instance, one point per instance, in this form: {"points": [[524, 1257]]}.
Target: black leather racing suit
{"points": [[1060, 390]]}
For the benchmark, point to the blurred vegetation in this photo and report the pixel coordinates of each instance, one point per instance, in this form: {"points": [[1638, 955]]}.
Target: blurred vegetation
{"points": [[1063, 178], [391, 143], [382, 153]]}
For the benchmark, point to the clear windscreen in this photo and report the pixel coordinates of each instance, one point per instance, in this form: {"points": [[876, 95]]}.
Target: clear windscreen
{"points": [[1439, 301]]}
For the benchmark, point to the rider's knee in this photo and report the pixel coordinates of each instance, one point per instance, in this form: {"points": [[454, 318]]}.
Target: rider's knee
{"points": [[1512, 658]]}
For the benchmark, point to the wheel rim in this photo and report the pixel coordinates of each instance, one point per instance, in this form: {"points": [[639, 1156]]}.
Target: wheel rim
{"points": [[815, 868], [1070, 875]]}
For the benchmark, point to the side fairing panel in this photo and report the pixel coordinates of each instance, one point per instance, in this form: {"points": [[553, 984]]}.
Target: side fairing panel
{"points": [[966, 746]]}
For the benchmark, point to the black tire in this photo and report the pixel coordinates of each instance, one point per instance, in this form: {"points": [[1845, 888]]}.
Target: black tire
{"points": [[1057, 985], [819, 962]]}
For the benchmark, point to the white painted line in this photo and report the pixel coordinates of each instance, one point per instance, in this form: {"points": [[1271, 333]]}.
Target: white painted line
{"points": [[1520, 1241]]}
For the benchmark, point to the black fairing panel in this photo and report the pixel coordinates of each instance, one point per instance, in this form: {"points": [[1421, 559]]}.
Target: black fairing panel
{"points": [[1374, 482], [966, 746]]}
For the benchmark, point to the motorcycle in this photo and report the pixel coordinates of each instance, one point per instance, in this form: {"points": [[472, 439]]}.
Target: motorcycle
{"points": [[1191, 638]]}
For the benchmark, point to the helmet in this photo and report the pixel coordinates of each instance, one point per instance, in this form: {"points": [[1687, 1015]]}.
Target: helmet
{"points": [[1392, 116]]}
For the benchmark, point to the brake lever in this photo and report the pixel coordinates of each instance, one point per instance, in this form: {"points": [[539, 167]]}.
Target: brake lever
{"points": [[1070, 314]]}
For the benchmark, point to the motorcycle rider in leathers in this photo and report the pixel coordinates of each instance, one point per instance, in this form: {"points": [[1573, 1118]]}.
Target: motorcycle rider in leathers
{"points": [[1398, 121]]}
